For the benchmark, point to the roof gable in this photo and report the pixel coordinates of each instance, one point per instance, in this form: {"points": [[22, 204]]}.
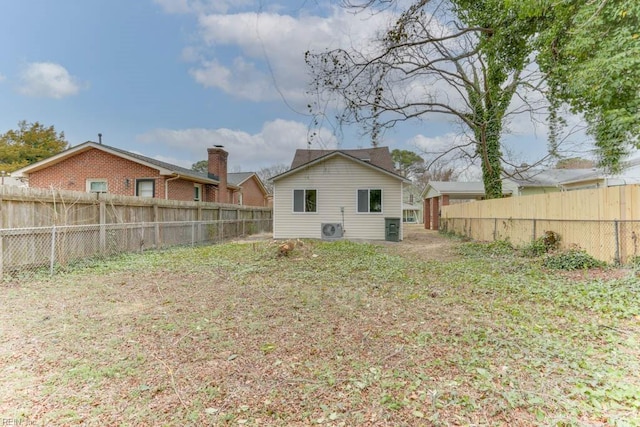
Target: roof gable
{"points": [[377, 158], [239, 178]]}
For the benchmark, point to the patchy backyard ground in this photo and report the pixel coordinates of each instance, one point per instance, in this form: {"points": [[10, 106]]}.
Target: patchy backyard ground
{"points": [[428, 331]]}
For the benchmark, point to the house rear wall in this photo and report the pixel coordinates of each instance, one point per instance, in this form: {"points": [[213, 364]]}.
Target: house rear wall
{"points": [[336, 181]]}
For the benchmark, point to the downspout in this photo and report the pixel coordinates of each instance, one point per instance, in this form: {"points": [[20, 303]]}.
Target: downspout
{"points": [[166, 186]]}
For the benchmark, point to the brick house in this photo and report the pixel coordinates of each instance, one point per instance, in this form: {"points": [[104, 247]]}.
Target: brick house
{"points": [[98, 168], [253, 191]]}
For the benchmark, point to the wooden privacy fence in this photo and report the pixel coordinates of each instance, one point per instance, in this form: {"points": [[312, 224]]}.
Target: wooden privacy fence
{"points": [[604, 222], [22, 207]]}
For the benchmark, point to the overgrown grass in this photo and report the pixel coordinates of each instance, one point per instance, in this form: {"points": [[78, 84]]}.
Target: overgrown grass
{"points": [[338, 334]]}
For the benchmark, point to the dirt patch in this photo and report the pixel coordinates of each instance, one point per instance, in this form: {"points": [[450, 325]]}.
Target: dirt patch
{"points": [[418, 242], [427, 244]]}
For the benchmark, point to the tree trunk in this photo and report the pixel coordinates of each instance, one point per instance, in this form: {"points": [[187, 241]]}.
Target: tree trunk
{"points": [[491, 166]]}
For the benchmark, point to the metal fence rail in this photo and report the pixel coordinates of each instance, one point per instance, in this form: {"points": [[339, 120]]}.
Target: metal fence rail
{"points": [[27, 250], [615, 242]]}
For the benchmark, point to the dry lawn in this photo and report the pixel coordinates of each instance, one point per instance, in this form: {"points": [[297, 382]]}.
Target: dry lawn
{"points": [[335, 334]]}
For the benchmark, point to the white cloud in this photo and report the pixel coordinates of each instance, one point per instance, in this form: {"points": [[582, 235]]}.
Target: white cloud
{"points": [[47, 80], [274, 144], [2, 77], [269, 60], [242, 79], [200, 6], [437, 144]]}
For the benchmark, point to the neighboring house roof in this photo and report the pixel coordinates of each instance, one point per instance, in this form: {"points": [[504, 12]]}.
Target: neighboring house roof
{"points": [[456, 190], [559, 177], [377, 158], [239, 178], [163, 168], [546, 177], [628, 175]]}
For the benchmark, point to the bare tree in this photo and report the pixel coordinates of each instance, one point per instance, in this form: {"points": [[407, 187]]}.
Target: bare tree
{"points": [[271, 171], [466, 60]]}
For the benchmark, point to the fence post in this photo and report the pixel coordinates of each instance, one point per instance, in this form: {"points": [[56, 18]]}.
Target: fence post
{"points": [[156, 220], [1, 254], [534, 230], [103, 229], [193, 233], [142, 238], [617, 240], [53, 250], [495, 228]]}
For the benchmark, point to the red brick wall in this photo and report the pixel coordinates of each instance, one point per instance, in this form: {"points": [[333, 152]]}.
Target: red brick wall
{"points": [[180, 189], [72, 174], [217, 165], [251, 193]]}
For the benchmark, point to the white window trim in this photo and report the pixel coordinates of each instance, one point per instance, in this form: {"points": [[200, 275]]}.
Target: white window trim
{"points": [[199, 187], [101, 180], [368, 212], [293, 201]]}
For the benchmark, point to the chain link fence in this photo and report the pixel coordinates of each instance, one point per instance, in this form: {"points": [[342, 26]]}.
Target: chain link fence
{"points": [[615, 242], [25, 251]]}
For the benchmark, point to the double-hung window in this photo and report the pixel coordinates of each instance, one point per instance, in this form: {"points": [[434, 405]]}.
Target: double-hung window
{"points": [[370, 201], [305, 200]]}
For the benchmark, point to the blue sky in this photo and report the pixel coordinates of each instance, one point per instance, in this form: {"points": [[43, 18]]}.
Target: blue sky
{"points": [[169, 78]]}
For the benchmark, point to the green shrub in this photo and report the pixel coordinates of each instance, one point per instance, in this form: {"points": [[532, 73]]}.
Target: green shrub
{"points": [[634, 262], [487, 249], [571, 259], [534, 249], [548, 242]]}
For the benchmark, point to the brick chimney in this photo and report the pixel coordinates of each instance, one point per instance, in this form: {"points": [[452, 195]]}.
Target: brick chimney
{"points": [[218, 170]]}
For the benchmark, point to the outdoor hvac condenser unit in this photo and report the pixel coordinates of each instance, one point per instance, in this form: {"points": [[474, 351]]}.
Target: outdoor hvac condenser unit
{"points": [[331, 231]]}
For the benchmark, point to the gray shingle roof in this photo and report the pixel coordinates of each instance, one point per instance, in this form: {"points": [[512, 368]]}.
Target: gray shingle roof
{"points": [[378, 156], [447, 187], [458, 190], [175, 168], [236, 178], [548, 177]]}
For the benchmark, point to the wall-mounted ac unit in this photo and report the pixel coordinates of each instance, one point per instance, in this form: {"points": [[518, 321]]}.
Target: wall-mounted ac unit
{"points": [[331, 231]]}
